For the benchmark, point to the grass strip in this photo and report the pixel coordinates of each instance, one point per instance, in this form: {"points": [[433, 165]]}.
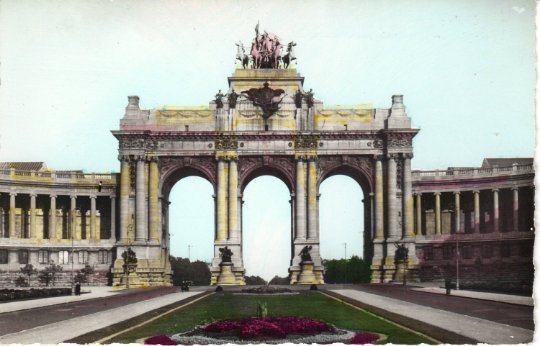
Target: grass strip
{"points": [[105, 334], [433, 332]]}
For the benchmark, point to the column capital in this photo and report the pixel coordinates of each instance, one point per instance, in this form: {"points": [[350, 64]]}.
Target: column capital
{"points": [[33, 194], [407, 155], [475, 191], [112, 197], [417, 193], [152, 158], [371, 194], [92, 196], [457, 192], [392, 156], [72, 196], [495, 190], [12, 193], [52, 195], [437, 193], [514, 188], [378, 157], [124, 158]]}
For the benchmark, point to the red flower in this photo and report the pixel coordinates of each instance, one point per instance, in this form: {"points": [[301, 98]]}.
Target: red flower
{"points": [[361, 338], [276, 327], [159, 340]]}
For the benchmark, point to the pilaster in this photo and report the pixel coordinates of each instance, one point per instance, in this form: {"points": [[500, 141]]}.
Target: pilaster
{"points": [[33, 234], [140, 201], [52, 219], [124, 198], [153, 200], [12, 232]]}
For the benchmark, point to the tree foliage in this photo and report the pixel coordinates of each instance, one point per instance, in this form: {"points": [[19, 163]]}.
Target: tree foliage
{"points": [[48, 274], [84, 273], [255, 280], [28, 270], [353, 270], [183, 269], [278, 280]]}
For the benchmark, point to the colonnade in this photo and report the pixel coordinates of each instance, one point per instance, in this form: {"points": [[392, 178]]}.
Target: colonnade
{"points": [[55, 233], [458, 211]]}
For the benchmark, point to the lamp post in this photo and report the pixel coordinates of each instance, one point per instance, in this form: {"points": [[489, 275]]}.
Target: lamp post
{"points": [[345, 246], [189, 252]]}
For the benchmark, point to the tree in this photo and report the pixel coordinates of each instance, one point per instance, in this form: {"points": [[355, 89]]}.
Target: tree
{"points": [[278, 280], [353, 270], [255, 280], [84, 273], [198, 272], [28, 270], [48, 274]]}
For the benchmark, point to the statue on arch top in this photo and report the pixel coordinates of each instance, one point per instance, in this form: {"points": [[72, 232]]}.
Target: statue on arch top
{"points": [[265, 50]]}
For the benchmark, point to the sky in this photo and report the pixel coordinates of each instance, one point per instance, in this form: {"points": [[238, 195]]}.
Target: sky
{"points": [[466, 70]]}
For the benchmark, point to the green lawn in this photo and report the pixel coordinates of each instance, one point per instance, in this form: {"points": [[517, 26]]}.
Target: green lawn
{"points": [[314, 305]]}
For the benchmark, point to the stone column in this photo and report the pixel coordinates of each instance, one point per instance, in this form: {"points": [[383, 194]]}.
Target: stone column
{"points": [[293, 223], [73, 234], [153, 208], [300, 200], [457, 211], [233, 201], [418, 214], [33, 234], [437, 213], [393, 231], [515, 209], [408, 202], [312, 200], [113, 217], [476, 194], [379, 199], [52, 219], [93, 231], [12, 233], [222, 201], [124, 199], [495, 210], [140, 201]]}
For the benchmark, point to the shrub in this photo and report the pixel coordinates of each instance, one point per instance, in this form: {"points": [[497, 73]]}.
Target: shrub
{"points": [[362, 338]]}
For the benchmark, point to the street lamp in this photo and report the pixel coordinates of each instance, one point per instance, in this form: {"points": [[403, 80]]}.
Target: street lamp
{"points": [[345, 246], [189, 252]]}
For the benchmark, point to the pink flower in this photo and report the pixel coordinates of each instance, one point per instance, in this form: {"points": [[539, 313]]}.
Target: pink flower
{"points": [[361, 338], [159, 340]]}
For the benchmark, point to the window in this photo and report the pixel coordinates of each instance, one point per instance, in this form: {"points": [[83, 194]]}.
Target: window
{"points": [[3, 256], [448, 252], [63, 257], [103, 256], [23, 256], [505, 250], [467, 252], [428, 253], [83, 257], [487, 251], [43, 256]]}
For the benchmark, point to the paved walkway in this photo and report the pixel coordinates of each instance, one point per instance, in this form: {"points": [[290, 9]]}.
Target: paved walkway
{"points": [[496, 297], [88, 292], [471, 327], [55, 333]]}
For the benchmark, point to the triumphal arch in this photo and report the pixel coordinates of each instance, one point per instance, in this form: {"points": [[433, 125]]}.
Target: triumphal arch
{"points": [[266, 122]]}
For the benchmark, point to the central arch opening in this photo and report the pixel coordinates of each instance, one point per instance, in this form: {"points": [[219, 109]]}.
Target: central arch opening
{"points": [[191, 229], [266, 228]]}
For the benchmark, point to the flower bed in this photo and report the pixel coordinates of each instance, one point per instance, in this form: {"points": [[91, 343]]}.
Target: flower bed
{"points": [[268, 290], [269, 330]]}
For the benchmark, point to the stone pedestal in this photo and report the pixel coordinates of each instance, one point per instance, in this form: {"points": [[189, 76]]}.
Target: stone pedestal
{"points": [[401, 271], [306, 276], [226, 276]]}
